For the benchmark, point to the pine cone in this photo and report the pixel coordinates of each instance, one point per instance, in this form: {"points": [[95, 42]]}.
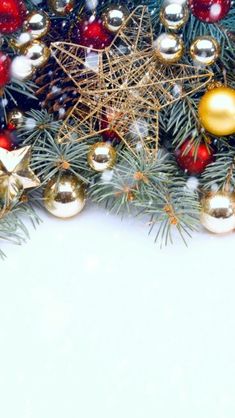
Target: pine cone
{"points": [[56, 92]]}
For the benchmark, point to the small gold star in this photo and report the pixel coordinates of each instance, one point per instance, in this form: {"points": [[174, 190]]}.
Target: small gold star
{"points": [[15, 175]]}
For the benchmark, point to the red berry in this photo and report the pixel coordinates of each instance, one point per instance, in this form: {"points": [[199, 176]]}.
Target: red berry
{"points": [[194, 159], [5, 64], [5, 140], [210, 11]]}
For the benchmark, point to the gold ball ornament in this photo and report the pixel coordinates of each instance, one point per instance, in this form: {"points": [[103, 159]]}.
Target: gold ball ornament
{"points": [[101, 156], [15, 118], [37, 24], [217, 111], [114, 17], [37, 52], [168, 48], [204, 50], [174, 15], [61, 7], [64, 195], [218, 212]]}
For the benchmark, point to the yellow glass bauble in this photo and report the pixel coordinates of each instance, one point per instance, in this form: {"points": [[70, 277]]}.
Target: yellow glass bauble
{"points": [[204, 50], [64, 195], [218, 212], [37, 23], [114, 16], [61, 7], [101, 156], [174, 15], [15, 118], [37, 52], [168, 48], [217, 111]]}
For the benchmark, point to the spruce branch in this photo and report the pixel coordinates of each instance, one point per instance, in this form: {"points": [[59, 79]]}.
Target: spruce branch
{"points": [[149, 187], [215, 176], [12, 226]]}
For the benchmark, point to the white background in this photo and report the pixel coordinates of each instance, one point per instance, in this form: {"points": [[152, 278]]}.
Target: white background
{"points": [[97, 322]]}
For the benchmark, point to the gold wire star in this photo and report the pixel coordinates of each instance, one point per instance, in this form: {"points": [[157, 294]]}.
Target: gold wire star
{"points": [[124, 85], [15, 175]]}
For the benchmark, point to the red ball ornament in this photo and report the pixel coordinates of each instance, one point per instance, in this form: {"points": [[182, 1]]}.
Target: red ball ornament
{"points": [[5, 140], [92, 34], [194, 159], [210, 11], [5, 67], [12, 15]]}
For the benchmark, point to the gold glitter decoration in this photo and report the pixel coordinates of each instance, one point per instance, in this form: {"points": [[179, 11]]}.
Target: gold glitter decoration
{"points": [[126, 78]]}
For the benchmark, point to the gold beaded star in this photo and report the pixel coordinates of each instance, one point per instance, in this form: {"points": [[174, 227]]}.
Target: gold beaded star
{"points": [[123, 87], [15, 175]]}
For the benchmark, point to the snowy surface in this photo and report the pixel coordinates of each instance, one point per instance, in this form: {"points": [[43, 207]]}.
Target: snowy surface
{"points": [[97, 322]]}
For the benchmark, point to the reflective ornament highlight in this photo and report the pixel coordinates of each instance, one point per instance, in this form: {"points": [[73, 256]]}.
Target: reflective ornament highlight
{"points": [[37, 52], [218, 212], [64, 195], [204, 50], [37, 24], [22, 68], [15, 119], [217, 111], [114, 17], [101, 156], [210, 11], [168, 48], [61, 7], [174, 15]]}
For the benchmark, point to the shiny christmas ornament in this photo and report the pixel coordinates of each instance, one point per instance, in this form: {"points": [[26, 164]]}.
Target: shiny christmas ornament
{"points": [[169, 48], [194, 159], [21, 40], [114, 17], [15, 119], [37, 52], [5, 69], [204, 50], [174, 15], [217, 111], [61, 7], [210, 11], [37, 24], [15, 175], [218, 212], [12, 15], [5, 140], [64, 196], [101, 156], [22, 68], [92, 34]]}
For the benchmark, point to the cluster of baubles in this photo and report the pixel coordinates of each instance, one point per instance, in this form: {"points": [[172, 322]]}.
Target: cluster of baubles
{"points": [[64, 195], [29, 43], [169, 46]]}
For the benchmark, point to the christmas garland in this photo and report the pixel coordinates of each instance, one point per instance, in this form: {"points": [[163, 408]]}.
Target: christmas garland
{"points": [[131, 106]]}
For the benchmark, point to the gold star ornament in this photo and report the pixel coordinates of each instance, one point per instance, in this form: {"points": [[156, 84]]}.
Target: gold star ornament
{"points": [[15, 176], [125, 84]]}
